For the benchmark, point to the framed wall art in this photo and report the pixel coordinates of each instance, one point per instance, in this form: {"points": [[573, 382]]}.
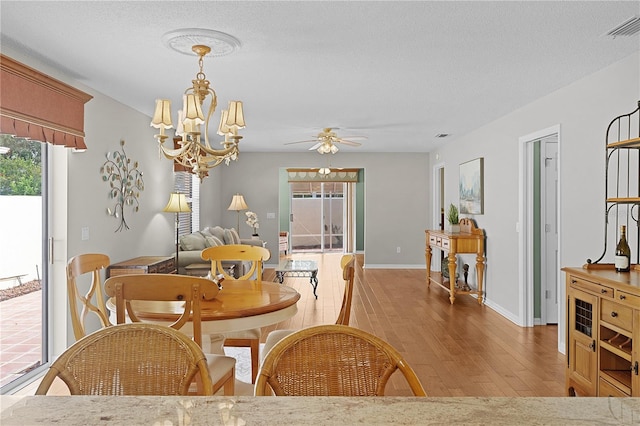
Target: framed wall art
{"points": [[472, 186]]}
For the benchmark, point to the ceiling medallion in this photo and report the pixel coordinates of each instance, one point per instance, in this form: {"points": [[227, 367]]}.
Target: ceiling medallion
{"points": [[184, 39]]}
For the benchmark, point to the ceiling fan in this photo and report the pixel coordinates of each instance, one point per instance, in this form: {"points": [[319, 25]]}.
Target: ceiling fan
{"points": [[327, 139]]}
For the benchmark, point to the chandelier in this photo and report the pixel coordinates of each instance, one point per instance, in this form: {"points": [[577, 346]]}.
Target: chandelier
{"points": [[189, 149]]}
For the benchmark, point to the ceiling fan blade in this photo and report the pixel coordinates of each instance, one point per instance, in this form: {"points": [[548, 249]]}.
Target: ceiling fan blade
{"points": [[347, 142], [316, 146], [310, 140], [355, 138]]}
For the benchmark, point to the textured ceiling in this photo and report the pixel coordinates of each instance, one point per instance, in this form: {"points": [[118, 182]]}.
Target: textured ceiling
{"points": [[396, 72]]}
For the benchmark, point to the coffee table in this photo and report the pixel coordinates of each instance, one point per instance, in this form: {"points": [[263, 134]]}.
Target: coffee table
{"points": [[299, 268]]}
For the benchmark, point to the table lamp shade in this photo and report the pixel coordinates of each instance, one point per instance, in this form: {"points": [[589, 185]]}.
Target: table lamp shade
{"points": [[177, 204]]}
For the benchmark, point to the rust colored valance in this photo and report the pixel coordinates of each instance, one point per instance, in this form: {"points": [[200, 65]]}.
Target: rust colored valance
{"points": [[36, 106]]}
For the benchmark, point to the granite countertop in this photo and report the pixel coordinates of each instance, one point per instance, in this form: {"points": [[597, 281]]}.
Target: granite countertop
{"points": [[149, 410]]}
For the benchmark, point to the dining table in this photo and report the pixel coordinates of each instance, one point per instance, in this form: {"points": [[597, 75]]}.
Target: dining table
{"points": [[239, 305]]}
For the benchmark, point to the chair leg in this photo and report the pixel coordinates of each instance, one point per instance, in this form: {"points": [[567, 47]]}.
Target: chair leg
{"points": [[230, 384], [255, 353]]}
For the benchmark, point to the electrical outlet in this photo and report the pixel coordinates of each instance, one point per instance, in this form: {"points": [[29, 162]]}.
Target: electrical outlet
{"points": [[397, 249], [271, 215]]}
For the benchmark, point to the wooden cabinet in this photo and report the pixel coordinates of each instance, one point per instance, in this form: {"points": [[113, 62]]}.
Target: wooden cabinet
{"points": [[603, 315], [603, 331], [143, 265], [469, 240]]}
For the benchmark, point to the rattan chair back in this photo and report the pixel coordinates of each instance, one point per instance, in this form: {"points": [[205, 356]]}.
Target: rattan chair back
{"points": [[131, 359], [93, 300], [332, 360]]}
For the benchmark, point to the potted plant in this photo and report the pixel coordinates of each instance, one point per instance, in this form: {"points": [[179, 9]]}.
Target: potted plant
{"points": [[453, 219], [252, 221]]}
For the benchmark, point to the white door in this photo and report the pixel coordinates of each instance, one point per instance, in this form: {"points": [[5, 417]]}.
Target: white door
{"points": [[549, 152]]}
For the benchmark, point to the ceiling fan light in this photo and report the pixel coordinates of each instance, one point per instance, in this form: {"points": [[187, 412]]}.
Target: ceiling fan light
{"points": [[333, 149]]}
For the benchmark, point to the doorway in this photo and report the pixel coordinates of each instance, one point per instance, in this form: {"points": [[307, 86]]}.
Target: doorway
{"points": [[539, 229], [318, 219], [438, 209]]}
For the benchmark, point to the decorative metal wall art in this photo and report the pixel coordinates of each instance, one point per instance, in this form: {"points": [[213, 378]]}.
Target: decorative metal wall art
{"points": [[125, 184]]}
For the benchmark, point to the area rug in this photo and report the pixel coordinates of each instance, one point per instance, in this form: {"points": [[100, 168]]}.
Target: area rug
{"points": [[243, 368]]}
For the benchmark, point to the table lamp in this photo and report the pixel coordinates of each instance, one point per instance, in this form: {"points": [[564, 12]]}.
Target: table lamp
{"points": [[177, 204]]}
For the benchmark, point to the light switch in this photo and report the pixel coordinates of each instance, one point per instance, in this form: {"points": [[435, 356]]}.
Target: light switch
{"points": [[271, 215], [85, 233]]}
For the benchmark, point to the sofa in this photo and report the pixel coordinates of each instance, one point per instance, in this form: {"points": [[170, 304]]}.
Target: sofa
{"points": [[191, 245]]}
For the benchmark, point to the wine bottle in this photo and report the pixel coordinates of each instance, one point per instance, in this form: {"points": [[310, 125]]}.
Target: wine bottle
{"points": [[623, 252]]}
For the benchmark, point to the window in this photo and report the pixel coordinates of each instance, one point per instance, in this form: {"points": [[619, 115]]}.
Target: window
{"points": [[188, 184]]}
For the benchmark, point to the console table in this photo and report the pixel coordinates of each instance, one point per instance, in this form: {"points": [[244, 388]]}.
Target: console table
{"points": [[469, 240], [143, 265]]}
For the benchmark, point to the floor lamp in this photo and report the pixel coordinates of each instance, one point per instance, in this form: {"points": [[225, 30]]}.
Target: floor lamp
{"points": [[238, 204], [177, 204]]}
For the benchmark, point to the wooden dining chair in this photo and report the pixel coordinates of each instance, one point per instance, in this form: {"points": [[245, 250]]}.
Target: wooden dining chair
{"points": [[93, 301], [253, 256], [256, 256], [332, 360], [131, 359], [347, 263], [173, 288]]}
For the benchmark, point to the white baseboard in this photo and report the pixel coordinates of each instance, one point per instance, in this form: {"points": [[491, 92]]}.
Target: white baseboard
{"points": [[385, 266]]}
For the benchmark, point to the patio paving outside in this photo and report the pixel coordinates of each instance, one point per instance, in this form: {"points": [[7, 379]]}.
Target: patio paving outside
{"points": [[20, 335]]}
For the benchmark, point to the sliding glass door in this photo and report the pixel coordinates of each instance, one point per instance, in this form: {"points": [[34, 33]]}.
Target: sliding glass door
{"points": [[317, 220], [24, 252]]}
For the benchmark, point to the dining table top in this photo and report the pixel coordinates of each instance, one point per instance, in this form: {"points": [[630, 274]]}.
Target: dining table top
{"points": [[239, 305]]}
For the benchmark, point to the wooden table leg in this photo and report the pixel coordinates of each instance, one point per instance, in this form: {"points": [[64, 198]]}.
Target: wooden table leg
{"points": [[480, 271], [452, 277], [428, 255]]}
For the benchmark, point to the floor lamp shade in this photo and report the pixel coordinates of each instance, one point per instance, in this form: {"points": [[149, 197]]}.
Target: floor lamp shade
{"points": [[238, 204], [177, 204]]}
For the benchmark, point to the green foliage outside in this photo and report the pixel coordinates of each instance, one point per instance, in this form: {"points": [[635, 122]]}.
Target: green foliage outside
{"points": [[21, 167]]}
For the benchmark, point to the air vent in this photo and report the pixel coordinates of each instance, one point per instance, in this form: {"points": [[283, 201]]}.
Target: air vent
{"points": [[628, 28]]}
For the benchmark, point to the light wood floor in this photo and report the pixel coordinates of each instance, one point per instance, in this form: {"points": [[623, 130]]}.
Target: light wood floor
{"points": [[456, 350]]}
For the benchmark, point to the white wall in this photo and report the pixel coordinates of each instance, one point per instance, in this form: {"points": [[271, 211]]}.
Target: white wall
{"points": [[583, 110], [23, 255]]}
